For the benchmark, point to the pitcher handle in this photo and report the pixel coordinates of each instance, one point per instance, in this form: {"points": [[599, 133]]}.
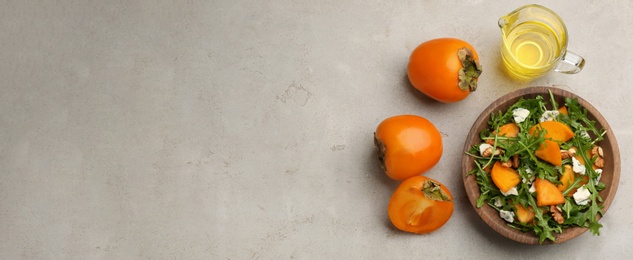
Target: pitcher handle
{"points": [[571, 63]]}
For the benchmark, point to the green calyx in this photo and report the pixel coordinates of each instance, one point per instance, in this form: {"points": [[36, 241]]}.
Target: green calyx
{"points": [[470, 71], [433, 190], [382, 150]]}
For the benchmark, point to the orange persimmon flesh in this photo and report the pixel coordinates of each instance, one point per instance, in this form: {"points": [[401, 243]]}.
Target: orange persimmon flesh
{"points": [[524, 215], [505, 178], [509, 130], [567, 178], [581, 160], [558, 131], [547, 193], [563, 110], [585, 180], [549, 151]]}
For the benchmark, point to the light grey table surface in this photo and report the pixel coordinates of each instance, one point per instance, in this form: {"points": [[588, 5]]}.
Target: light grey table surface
{"points": [[243, 129]]}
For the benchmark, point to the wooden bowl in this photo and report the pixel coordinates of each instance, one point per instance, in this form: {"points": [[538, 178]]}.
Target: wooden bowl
{"points": [[610, 174]]}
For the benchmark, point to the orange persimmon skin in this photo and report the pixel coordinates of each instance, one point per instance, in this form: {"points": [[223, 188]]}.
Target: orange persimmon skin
{"points": [[411, 211], [547, 193], [411, 144], [504, 178], [434, 69]]}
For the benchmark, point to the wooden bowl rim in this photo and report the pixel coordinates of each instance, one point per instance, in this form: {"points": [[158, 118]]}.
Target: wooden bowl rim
{"points": [[488, 214]]}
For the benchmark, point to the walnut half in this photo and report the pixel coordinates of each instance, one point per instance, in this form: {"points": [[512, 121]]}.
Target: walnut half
{"points": [[557, 214], [568, 153], [515, 161]]}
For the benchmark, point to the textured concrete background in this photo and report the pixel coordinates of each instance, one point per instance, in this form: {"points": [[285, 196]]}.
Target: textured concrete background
{"points": [[243, 129]]}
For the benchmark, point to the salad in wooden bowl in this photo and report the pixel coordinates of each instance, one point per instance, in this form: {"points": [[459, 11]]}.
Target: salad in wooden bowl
{"points": [[541, 165]]}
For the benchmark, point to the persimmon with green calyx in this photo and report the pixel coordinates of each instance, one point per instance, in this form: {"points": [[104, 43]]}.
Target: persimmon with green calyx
{"points": [[420, 205], [445, 69], [547, 193], [408, 145], [505, 178]]}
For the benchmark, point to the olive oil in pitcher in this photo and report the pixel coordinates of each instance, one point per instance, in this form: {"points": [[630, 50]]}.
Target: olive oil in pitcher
{"points": [[534, 42], [531, 48]]}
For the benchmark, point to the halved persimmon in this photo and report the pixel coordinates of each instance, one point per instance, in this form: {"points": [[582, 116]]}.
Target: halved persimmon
{"points": [[420, 205]]}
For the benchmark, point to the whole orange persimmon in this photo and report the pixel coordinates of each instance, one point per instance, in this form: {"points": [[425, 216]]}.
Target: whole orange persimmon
{"points": [[408, 145], [445, 69], [420, 205]]}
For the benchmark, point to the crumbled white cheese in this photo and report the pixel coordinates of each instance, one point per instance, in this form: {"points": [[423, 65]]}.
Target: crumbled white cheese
{"points": [[532, 189], [528, 181], [581, 196], [498, 203], [520, 114], [508, 216], [549, 115], [577, 166], [512, 191], [483, 147], [599, 172], [584, 134]]}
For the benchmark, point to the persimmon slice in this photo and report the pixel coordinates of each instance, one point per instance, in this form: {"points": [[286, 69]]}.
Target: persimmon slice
{"points": [[555, 130], [567, 178], [524, 215], [549, 151], [505, 178], [547, 193]]}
